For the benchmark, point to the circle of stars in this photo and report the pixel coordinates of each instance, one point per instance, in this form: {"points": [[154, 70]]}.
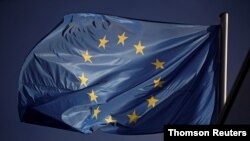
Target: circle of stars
{"points": [[139, 50]]}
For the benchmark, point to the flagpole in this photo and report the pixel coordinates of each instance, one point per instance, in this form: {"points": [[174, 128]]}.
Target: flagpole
{"points": [[224, 51]]}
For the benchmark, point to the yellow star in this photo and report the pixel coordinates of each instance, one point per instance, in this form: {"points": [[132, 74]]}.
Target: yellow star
{"points": [[158, 64], [158, 82], [103, 42], [84, 80], [152, 101], [109, 119], [139, 48], [92, 96], [122, 38], [96, 112], [87, 57], [133, 117]]}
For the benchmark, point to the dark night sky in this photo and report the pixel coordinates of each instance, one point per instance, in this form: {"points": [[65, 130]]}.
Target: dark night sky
{"points": [[24, 23]]}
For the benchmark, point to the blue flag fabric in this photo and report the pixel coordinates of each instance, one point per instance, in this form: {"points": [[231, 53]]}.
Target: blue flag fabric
{"points": [[120, 75]]}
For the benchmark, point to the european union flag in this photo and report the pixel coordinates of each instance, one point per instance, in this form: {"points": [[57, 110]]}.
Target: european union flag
{"points": [[120, 75]]}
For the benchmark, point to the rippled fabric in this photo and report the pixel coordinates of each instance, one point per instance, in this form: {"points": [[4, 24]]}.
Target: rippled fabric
{"points": [[132, 93]]}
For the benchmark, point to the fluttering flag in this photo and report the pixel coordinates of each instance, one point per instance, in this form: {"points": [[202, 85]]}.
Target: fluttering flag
{"points": [[121, 75]]}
